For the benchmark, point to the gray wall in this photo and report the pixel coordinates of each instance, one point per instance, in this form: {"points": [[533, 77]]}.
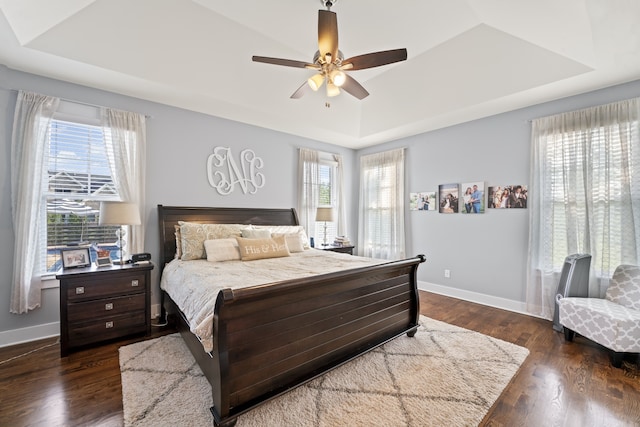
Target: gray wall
{"points": [[485, 253], [179, 142]]}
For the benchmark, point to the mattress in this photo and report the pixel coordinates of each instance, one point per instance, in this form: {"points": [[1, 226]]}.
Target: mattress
{"points": [[194, 285]]}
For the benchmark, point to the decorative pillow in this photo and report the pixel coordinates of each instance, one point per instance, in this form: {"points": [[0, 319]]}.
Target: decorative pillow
{"points": [[251, 249], [178, 242], [286, 229], [194, 235], [222, 250], [255, 233], [293, 240]]}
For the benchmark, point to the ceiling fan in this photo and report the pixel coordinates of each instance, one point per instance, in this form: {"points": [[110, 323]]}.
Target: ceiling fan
{"points": [[330, 62]]}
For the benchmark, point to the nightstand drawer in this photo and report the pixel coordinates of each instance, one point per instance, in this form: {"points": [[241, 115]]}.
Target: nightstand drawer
{"points": [[115, 284], [79, 311], [106, 328]]}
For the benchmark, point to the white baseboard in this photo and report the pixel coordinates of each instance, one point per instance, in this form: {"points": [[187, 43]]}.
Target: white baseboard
{"points": [[488, 300], [155, 311], [32, 333]]}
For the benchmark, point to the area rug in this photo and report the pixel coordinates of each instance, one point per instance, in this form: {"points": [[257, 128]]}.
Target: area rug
{"points": [[443, 376]]}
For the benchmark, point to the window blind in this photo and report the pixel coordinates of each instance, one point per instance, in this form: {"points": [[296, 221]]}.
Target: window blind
{"points": [[78, 177]]}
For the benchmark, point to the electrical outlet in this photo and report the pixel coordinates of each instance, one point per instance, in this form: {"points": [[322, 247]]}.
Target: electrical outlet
{"points": [[447, 274]]}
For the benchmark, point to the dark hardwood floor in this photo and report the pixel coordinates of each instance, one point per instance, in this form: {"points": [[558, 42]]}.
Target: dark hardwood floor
{"points": [[560, 384]]}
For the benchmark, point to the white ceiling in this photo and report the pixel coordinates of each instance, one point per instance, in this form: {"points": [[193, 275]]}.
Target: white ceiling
{"points": [[467, 59]]}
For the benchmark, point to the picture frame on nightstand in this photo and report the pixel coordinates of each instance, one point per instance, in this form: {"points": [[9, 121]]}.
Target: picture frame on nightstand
{"points": [[75, 258]]}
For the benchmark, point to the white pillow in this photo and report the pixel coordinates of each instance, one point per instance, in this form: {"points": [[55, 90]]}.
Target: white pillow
{"points": [[222, 250], [255, 233], [293, 240], [286, 229]]}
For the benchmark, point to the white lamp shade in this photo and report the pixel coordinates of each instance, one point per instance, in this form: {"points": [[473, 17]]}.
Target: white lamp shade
{"points": [[119, 213], [325, 214]]}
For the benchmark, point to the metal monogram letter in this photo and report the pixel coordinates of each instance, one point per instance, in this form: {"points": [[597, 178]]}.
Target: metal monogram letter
{"points": [[247, 176]]}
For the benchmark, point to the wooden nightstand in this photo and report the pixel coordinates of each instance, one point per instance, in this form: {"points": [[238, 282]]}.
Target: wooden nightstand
{"points": [[103, 303], [345, 249]]}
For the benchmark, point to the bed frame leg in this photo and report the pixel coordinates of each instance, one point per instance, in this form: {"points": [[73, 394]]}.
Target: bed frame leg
{"points": [[228, 423], [412, 332]]}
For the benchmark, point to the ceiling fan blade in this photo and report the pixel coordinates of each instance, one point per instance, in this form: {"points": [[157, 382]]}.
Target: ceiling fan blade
{"points": [[328, 34], [302, 90], [354, 88], [285, 62], [375, 59]]}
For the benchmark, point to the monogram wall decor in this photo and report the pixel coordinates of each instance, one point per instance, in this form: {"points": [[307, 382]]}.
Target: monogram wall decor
{"points": [[224, 174]]}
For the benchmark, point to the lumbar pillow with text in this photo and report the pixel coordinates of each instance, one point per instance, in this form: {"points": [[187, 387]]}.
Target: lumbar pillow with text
{"points": [[251, 249]]}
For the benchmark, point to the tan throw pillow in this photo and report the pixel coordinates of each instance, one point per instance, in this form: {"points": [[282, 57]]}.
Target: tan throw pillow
{"points": [[293, 240], [178, 242], [222, 250], [251, 249]]}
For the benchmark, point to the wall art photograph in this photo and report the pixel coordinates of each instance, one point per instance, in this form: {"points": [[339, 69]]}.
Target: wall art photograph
{"points": [[422, 201], [448, 198], [508, 197], [472, 197]]}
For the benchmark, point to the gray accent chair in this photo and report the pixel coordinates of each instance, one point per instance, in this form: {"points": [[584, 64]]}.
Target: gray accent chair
{"points": [[612, 321]]}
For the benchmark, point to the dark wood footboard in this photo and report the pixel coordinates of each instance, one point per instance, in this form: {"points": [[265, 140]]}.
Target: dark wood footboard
{"points": [[269, 339]]}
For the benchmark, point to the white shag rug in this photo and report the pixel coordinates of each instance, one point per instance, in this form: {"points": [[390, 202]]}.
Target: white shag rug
{"points": [[443, 376]]}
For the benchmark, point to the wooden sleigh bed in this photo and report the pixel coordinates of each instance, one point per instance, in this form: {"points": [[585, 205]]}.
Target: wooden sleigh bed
{"points": [[271, 338]]}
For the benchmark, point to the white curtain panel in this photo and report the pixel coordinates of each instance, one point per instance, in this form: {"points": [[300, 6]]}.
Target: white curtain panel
{"points": [[308, 184], [125, 139], [382, 200], [342, 210], [29, 154], [584, 197]]}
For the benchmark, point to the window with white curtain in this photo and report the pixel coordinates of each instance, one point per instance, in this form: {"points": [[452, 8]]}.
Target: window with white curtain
{"points": [[381, 227], [65, 158], [78, 178], [326, 198], [585, 196]]}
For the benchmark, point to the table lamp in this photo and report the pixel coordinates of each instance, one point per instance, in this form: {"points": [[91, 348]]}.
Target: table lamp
{"points": [[326, 215], [119, 213]]}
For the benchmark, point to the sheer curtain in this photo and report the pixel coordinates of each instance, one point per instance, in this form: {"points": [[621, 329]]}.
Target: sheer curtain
{"points": [[309, 180], [339, 188], [125, 139], [28, 154], [584, 198], [382, 200]]}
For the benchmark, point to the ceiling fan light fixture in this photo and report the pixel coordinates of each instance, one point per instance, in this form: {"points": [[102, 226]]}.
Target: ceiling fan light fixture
{"points": [[316, 81], [338, 78], [332, 90]]}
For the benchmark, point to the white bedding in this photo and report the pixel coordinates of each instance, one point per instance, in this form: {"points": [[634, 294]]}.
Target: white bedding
{"points": [[194, 285]]}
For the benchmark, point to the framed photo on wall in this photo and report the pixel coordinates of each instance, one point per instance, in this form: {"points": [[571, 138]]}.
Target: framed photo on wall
{"points": [[473, 200], [448, 198], [508, 197], [423, 201], [75, 258]]}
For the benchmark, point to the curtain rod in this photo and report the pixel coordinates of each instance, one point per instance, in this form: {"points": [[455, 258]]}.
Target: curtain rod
{"points": [[80, 102]]}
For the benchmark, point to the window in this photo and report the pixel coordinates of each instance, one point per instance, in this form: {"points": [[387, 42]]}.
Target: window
{"points": [[585, 197], [381, 233], [326, 198], [79, 178]]}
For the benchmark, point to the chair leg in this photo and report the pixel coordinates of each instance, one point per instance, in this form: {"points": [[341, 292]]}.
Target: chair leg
{"points": [[568, 334], [616, 359]]}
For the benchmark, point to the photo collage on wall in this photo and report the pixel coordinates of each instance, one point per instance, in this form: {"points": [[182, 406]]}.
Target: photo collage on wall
{"points": [[469, 198]]}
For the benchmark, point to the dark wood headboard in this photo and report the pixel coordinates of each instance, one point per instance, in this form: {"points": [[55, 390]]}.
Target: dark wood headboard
{"points": [[168, 217]]}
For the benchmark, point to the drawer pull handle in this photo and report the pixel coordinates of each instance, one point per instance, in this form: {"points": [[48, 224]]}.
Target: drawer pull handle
{"points": [[108, 306], [134, 282], [108, 325], [80, 290]]}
